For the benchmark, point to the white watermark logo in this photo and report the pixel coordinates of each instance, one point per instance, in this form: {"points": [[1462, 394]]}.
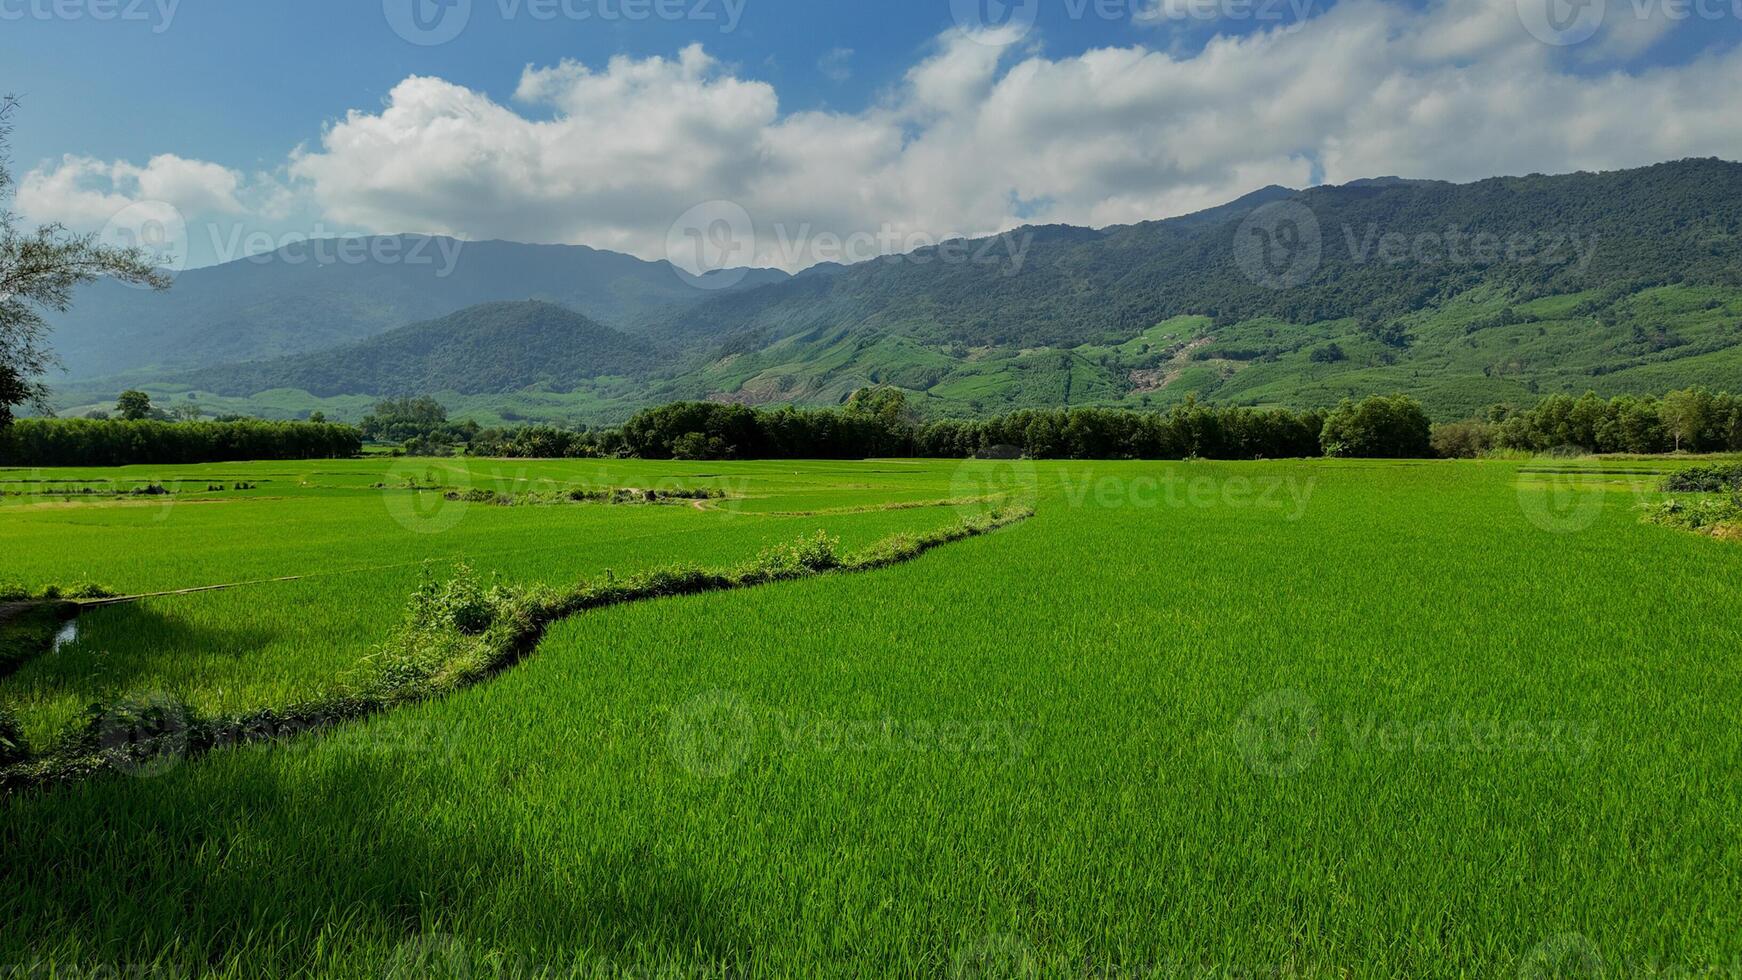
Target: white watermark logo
{"points": [[1279, 733], [996, 22], [710, 735], [428, 22], [156, 228], [715, 242], [425, 498], [1562, 22], [1279, 245], [1007, 480]]}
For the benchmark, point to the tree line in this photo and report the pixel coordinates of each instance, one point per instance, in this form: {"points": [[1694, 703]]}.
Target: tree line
{"points": [[120, 442], [1689, 420], [877, 423]]}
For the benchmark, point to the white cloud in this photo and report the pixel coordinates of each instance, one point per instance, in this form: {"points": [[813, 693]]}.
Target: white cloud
{"points": [[85, 193], [977, 137]]}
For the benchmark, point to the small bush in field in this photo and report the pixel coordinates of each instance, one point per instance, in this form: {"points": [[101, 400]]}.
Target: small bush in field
{"points": [[1706, 479], [461, 603], [1717, 517], [86, 590], [818, 554]]}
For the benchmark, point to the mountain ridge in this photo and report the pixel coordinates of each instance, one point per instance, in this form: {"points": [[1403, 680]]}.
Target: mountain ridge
{"points": [[306, 297], [1644, 295]]}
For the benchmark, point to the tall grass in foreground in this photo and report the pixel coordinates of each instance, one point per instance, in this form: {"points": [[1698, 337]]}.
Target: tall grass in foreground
{"points": [[1395, 720], [455, 633]]}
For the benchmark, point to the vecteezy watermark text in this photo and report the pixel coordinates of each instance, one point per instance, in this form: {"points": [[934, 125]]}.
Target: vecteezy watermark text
{"points": [[1000, 22], [433, 22], [1170, 489], [1284, 732], [1283, 244], [718, 242], [1456, 247], [165, 236], [159, 14]]}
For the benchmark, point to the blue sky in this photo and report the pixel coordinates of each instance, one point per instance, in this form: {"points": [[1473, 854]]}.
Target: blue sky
{"points": [[902, 120], [241, 81]]}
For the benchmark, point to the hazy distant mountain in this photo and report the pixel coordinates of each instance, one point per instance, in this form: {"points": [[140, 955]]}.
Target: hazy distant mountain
{"points": [[313, 296], [488, 349]]}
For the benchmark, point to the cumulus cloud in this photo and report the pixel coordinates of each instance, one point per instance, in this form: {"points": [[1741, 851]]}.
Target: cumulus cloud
{"points": [[84, 193], [978, 137]]}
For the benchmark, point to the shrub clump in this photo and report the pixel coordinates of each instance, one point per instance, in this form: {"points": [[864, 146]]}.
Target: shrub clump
{"points": [[453, 631], [13, 592], [1719, 517], [1706, 479], [804, 556]]}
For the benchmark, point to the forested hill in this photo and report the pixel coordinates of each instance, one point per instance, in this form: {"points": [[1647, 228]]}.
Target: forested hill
{"points": [[1060, 287], [488, 349], [1462, 295], [316, 295]]}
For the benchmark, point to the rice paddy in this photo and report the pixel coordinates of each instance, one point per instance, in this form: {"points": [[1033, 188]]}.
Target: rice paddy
{"points": [[1191, 719]]}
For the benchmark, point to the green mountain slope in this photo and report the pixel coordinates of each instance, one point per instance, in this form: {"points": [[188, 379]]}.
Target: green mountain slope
{"points": [[492, 349], [1462, 295]]}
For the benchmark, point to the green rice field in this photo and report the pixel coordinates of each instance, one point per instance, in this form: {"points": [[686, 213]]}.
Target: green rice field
{"points": [[1190, 719]]}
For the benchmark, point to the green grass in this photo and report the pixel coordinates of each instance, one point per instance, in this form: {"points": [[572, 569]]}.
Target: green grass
{"points": [[1302, 719], [358, 552]]}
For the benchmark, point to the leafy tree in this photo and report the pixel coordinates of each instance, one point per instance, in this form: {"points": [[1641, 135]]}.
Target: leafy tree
{"points": [[134, 405], [883, 402], [1378, 428], [38, 272], [1686, 415]]}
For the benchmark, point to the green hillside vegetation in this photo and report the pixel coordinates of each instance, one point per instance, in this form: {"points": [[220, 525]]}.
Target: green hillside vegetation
{"points": [[1633, 285], [496, 347]]}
